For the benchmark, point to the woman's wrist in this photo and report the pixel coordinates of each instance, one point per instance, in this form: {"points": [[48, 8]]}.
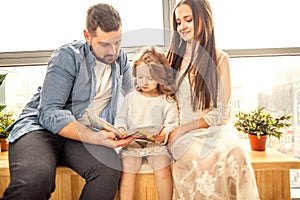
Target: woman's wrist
{"points": [[183, 129], [193, 125]]}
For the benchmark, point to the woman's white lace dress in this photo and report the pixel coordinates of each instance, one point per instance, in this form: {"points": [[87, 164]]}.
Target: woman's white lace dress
{"points": [[209, 164]]}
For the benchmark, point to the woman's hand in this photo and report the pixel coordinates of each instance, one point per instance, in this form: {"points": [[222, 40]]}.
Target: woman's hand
{"points": [[176, 133]]}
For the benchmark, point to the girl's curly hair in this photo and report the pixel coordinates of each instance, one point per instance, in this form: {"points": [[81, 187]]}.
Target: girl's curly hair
{"points": [[159, 68]]}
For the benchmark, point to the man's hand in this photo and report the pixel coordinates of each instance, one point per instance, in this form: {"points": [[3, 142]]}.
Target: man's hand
{"points": [[110, 139], [79, 132]]}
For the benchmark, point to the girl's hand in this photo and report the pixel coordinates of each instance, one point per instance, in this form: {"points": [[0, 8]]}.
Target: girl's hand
{"points": [[159, 137]]}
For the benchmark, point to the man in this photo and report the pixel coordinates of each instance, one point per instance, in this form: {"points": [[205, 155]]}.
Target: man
{"points": [[53, 127]]}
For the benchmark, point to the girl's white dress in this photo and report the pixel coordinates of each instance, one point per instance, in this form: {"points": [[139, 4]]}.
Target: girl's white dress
{"points": [[141, 111], [209, 164]]}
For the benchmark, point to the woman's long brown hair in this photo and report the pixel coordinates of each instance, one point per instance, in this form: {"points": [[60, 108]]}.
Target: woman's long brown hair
{"points": [[203, 61]]}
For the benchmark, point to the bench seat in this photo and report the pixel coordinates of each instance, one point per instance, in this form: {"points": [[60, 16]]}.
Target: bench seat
{"points": [[271, 172], [69, 184]]}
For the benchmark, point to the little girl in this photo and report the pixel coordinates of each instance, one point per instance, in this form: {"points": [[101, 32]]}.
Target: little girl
{"points": [[151, 104]]}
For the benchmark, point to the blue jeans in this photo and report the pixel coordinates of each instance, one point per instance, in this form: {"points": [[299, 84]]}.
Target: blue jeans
{"points": [[33, 159]]}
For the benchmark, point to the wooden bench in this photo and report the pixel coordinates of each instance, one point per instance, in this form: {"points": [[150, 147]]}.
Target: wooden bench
{"points": [[271, 172], [69, 184]]}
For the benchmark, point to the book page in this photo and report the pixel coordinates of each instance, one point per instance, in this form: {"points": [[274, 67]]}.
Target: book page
{"points": [[146, 133], [97, 122], [142, 133]]}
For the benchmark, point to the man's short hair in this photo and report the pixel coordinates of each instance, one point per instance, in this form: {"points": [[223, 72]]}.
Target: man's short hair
{"points": [[104, 16]]}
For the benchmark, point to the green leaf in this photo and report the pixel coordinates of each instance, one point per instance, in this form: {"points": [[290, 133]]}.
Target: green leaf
{"points": [[2, 77], [2, 107], [5, 120]]}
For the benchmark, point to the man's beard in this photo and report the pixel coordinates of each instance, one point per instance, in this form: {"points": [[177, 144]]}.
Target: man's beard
{"points": [[101, 59]]}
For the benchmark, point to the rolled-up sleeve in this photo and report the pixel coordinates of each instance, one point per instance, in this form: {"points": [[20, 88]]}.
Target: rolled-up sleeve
{"points": [[57, 87]]}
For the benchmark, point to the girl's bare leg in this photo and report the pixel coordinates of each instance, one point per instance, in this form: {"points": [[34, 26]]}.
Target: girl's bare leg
{"points": [[164, 183], [131, 165]]}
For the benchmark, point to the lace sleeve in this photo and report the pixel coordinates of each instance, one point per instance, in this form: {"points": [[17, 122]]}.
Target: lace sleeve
{"points": [[221, 114]]}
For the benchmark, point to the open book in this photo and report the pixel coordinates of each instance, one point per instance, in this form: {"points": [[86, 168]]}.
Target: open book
{"points": [[143, 133]]}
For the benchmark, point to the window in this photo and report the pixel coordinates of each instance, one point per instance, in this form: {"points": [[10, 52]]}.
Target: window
{"points": [[45, 25], [19, 86], [256, 24], [31, 34], [271, 82]]}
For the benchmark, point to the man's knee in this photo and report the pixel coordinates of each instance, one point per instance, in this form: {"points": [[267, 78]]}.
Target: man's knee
{"points": [[30, 182]]}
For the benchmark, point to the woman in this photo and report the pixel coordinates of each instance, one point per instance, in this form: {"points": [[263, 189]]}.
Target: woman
{"points": [[208, 164]]}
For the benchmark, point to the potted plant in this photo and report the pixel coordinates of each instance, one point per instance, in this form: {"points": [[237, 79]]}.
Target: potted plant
{"points": [[5, 120], [2, 77], [259, 124]]}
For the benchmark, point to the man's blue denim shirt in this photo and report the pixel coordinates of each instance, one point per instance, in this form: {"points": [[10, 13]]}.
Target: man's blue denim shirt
{"points": [[68, 89]]}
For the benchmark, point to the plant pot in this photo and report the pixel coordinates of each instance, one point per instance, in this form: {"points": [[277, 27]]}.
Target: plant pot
{"points": [[4, 145], [258, 144]]}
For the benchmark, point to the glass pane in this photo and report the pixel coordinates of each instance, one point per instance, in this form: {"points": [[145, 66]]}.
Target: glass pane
{"points": [[256, 23], [273, 83], [45, 25], [19, 86]]}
